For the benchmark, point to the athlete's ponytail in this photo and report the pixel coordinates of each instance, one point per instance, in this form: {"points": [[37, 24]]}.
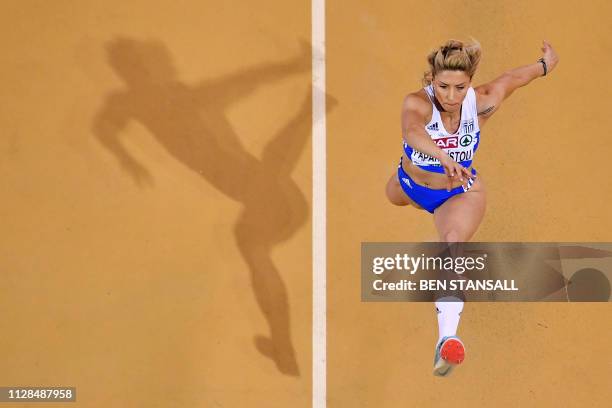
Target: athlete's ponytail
{"points": [[454, 55]]}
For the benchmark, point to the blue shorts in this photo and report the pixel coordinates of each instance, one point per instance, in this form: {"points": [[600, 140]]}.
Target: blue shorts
{"points": [[428, 198]]}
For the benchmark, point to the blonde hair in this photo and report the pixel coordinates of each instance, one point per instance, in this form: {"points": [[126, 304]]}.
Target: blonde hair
{"points": [[454, 55]]}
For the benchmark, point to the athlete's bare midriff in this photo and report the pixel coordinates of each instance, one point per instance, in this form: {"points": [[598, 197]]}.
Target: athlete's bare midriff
{"points": [[435, 181]]}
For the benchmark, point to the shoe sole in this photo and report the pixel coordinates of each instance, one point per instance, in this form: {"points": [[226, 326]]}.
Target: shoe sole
{"points": [[452, 353]]}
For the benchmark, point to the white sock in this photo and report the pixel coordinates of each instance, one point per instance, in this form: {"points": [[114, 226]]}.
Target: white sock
{"points": [[449, 312]]}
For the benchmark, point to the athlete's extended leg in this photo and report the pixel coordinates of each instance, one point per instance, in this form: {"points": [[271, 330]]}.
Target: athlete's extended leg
{"points": [[456, 221], [458, 218]]}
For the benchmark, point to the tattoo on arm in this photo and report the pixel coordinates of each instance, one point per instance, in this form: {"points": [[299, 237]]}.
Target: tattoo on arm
{"points": [[486, 111]]}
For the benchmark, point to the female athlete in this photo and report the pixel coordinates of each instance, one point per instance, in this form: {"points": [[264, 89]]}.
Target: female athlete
{"points": [[441, 130]]}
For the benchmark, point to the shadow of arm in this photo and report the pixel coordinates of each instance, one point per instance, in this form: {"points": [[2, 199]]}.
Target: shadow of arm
{"points": [[106, 127], [230, 88]]}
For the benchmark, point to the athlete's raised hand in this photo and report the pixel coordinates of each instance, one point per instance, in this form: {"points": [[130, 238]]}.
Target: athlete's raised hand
{"points": [[454, 171], [550, 56]]}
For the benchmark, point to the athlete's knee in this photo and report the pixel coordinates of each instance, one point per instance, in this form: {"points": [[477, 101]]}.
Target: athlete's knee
{"points": [[451, 235], [393, 199], [393, 193]]}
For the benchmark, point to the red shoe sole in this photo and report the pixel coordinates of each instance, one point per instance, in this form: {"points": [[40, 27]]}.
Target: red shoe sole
{"points": [[453, 351]]}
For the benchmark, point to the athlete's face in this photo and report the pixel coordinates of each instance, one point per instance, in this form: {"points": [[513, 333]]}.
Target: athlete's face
{"points": [[450, 88]]}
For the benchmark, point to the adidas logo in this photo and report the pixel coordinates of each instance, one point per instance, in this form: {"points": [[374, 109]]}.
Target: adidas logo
{"points": [[433, 126], [405, 180]]}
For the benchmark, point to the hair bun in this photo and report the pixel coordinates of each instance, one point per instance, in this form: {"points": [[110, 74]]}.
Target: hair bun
{"points": [[452, 45]]}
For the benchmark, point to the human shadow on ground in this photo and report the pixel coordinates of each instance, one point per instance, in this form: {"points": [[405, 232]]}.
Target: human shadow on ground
{"points": [[191, 122]]}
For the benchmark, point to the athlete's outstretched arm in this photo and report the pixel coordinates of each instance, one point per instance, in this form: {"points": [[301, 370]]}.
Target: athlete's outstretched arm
{"points": [[489, 96], [414, 119]]}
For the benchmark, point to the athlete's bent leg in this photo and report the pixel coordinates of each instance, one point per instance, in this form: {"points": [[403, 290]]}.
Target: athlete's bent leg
{"points": [[396, 195]]}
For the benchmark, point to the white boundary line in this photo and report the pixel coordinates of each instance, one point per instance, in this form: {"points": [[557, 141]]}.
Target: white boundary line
{"points": [[319, 209]]}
